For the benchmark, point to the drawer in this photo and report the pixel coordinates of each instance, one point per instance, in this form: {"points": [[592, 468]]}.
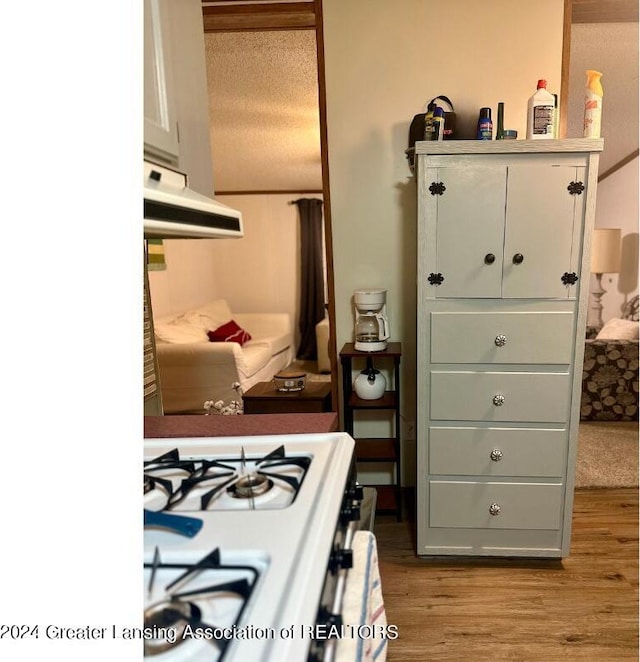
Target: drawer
{"points": [[537, 337], [476, 396], [458, 451], [460, 504]]}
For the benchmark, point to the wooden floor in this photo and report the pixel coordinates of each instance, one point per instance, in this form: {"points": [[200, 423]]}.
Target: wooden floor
{"points": [[584, 607]]}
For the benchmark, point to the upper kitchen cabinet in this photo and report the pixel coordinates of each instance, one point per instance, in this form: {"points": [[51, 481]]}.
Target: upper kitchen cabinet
{"points": [[176, 104], [160, 121]]}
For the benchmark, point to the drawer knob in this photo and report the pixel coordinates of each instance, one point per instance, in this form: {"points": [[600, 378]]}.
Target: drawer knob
{"points": [[496, 455], [518, 258], [489, 258], [494, 509], [498, 400], [501, 340]]}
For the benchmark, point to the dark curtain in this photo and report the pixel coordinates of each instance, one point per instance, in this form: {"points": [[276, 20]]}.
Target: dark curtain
{"points": [[312, 304]]}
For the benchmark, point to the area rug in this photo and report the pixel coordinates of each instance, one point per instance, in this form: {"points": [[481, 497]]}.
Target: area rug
{"points": [[607, 454]]}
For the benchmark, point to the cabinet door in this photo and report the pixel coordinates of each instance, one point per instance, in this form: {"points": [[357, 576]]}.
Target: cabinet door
{"points": [[470, 227], [160, 125], [543, 225]]}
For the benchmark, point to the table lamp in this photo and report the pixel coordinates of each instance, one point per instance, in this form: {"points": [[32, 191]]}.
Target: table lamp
{"points": [[605, 259]]}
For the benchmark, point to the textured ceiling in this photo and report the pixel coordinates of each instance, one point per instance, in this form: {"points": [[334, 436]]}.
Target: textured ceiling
{"points": [[263, 105]]}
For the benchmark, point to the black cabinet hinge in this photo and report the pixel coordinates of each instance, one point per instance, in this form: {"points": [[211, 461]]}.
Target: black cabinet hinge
{"points": [[569, 278], [575, 188], [436, 279], [437, 188]]}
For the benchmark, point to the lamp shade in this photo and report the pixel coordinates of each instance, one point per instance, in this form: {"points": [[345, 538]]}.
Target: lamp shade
{"points": [[605, 253]]}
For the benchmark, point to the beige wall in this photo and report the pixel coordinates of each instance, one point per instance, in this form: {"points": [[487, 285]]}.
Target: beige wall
{"points": [[383, 61]]}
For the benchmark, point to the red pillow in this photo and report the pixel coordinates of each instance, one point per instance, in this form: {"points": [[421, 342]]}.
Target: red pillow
{"points": [[229, 332]]}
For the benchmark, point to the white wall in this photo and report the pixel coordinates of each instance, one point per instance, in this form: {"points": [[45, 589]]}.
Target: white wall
{"points": [[383, 61], [617, 207], [189, 279]]}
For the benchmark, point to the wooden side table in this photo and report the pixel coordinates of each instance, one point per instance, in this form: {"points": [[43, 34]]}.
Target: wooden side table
{"points": [[263, 398], [385, 449]]}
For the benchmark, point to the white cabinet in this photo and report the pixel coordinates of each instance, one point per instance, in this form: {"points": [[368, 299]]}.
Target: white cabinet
{"points": [[493, 227], [176, 100], [504, 231], [160, 120]]}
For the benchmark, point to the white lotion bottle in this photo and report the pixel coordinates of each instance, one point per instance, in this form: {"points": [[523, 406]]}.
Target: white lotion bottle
{"points": [[541, 114]]}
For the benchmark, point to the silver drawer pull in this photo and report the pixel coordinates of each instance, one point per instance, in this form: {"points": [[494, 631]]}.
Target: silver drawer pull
{"points": [[496, 455], [498, 400], [494, 509], [501, 340]]}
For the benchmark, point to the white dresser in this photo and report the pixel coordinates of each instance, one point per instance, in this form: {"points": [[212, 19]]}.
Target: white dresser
{"points": [[504, 231]]}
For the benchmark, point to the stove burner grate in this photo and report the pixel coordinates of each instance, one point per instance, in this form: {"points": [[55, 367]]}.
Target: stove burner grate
{"points": [[207, 480], [186, 598]]}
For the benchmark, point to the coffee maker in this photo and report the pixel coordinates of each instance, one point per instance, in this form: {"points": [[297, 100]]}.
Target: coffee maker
{"points": [[372, 326]]}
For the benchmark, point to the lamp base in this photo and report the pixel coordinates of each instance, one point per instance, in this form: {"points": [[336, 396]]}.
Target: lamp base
{"points": [[598, 291]]}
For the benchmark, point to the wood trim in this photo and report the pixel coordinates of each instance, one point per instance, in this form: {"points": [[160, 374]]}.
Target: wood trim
{"points": [[620, 164], [564, 71], [604, 11], [328, 235], [266, 16]]}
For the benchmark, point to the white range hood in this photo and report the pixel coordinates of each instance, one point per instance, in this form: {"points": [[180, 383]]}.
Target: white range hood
{"points": [[173, 210]]}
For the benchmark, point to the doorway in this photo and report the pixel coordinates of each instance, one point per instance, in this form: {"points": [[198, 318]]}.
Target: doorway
{"points": [[265, 68]]}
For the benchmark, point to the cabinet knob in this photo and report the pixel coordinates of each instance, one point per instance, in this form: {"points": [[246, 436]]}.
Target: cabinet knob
{"points": [[500, 340], [496, 455], [489, 258], [518, 258], [494, 509], [498, 400]]}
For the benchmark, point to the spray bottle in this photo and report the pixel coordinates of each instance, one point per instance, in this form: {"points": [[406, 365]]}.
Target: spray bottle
{"points": [[593, 104]]}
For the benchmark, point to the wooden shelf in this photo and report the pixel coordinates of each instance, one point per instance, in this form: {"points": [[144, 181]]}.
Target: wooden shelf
{"points": [[376, 449], [380, 450], [387, 401]]}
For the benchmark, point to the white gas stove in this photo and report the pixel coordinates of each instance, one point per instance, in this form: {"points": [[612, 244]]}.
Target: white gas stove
{"points": [[239, 535]]}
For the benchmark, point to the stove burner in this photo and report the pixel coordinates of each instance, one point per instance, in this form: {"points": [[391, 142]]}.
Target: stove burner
{"points": [[250, 486], [209, 596], [168, 619], [228, 483]]}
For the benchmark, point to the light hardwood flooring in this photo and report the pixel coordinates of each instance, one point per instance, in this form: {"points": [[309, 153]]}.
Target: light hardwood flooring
{"points": [[584, 607]]}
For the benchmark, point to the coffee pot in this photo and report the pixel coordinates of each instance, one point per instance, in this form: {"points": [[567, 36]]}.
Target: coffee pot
{"points": [[372, 326]]}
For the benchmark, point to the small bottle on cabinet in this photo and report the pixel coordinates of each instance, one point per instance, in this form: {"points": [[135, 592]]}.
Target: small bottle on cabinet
{"points": [[429, 124], [500, 127], [485, 125], [438, 118]]}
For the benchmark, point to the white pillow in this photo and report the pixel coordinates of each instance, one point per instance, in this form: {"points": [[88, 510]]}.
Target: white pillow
{"points": [[193, 325], [618, 329], [179, 333]]}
